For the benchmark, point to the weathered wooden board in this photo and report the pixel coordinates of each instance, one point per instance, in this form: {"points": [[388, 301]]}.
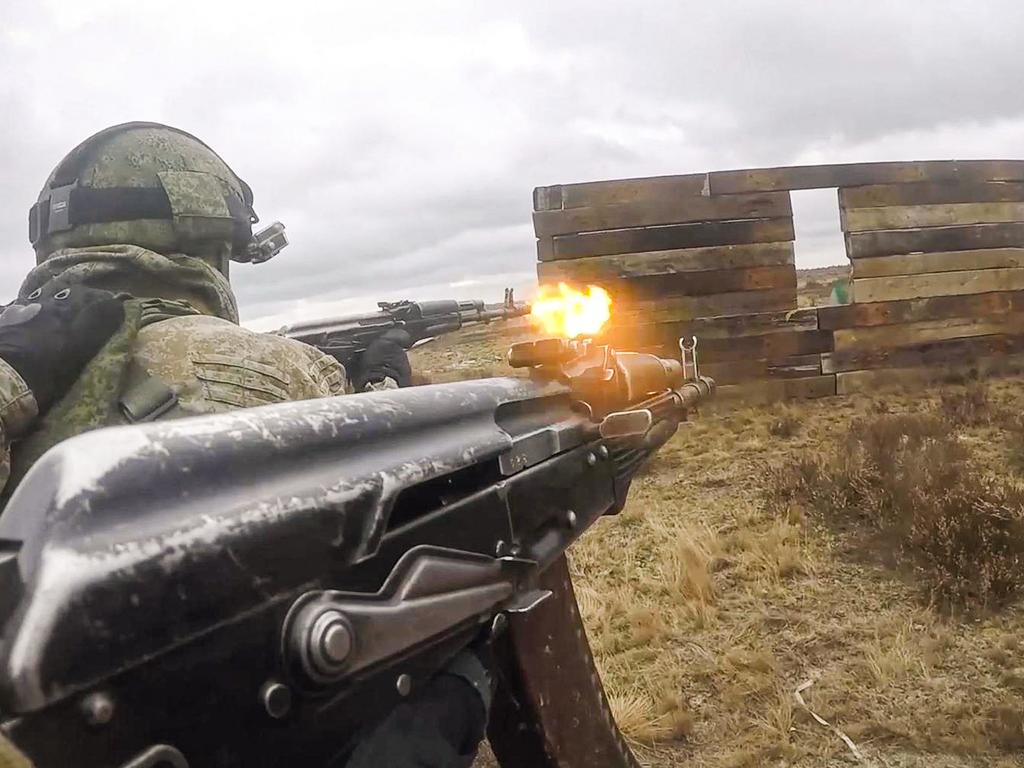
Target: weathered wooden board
{"points": [[720, 327], [780, 389], [797, 367], [917, 216], [665, 238], [705, 283], [689, 307], [666, 262], [947, 261], [931, 193], [898, 287], [708, 283], [926, 331], [764, 205], [949, 352], [594, 193], [858, 174], [865, 245], [767, 346], [853, 382], [729, 326], [917, 310]]}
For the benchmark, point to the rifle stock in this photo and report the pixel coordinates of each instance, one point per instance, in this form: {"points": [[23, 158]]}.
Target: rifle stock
{"points": [[192, 579]]}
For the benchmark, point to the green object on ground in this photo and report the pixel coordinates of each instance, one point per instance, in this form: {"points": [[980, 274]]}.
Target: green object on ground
{"points": [[842, 292]]}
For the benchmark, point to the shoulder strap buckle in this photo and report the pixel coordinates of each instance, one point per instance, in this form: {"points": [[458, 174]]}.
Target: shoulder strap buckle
{"points": [[146, 397]]}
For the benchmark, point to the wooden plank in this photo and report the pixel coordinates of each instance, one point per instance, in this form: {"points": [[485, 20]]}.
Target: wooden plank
{"points": [[666, 262], [729, 326], [721, 327], [858, 174], [916, 216], [797, 367], [854, 382], [865, 245], [547, 198], [765, 205], [895, 288], [916, 310], [951, 351], [704, 283], [947, 261], [931, 193], [780, 389], [707, 283], [767, 346], [926, 331], [690, 307], [665, 238], [615, 191]]}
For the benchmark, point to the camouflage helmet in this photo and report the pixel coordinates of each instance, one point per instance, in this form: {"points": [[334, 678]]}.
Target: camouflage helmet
{"points": [[145, 184]]}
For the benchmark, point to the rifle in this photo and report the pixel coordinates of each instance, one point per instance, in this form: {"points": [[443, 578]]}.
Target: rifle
{"points": [[252, 588], [346, 338]]}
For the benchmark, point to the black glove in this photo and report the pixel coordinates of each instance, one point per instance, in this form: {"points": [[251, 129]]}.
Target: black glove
{"points": [[49, 336], [440, 727], [386, 357]]}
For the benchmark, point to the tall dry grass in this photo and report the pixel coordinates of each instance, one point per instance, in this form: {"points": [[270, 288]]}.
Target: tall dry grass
{"points": [[912, 483]]}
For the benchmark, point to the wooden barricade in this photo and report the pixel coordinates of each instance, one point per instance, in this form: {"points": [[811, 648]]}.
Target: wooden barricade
{"points": [[938, 279], [678, 261], [665, 249], [777, 353], [936, 247]]}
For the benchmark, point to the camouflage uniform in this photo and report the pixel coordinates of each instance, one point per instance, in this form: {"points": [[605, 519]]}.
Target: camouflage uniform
{"points": [[17, 412], [181, 327], [151, 213]]}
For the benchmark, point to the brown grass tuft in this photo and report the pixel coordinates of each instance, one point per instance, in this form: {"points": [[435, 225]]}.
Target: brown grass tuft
{"points": [[907, 480], [785, 423], [690, 566], [1006, 726], [643, 722], [968, 406]]}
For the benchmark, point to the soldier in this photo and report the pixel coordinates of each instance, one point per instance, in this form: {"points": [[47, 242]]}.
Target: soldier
{"points": [[129, 317], [152, 216]]}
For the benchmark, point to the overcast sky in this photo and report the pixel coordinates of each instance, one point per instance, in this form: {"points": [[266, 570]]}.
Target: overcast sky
{"points": [[400, 142]]}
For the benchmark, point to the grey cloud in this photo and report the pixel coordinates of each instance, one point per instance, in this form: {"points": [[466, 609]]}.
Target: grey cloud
{"points": [[400, 143]]}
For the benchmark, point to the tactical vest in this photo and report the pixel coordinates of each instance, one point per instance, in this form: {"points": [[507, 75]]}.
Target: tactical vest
{"points": [[111, 390]]}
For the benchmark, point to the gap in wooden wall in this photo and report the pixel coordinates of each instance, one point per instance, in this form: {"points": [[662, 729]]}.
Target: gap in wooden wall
{"points": [[819, 238]]}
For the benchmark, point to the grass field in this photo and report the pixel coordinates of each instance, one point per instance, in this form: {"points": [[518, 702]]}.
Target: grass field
{"points": [[753, 558]]}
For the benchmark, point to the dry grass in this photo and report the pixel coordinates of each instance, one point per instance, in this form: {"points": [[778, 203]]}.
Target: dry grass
{"points": [[706, 607], [927, 503], [969, 406], [753, 602], [785, 423]]}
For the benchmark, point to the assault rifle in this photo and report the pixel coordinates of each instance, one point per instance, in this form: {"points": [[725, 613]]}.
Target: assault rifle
{"points": [[346, 338], [253, 588]]}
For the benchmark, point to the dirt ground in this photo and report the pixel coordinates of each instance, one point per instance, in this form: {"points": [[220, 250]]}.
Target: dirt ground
{"points": [[706, 611]]}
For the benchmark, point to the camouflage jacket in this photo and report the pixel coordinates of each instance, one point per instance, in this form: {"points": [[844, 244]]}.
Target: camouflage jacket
{"points": [[185, 336], [18, 411]]}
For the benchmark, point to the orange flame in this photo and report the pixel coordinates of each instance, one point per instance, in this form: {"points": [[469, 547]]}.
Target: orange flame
{"points": [[565, 311]]}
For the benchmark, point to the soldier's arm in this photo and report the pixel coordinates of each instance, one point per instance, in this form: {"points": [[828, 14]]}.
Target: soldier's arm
{"points": [[46, 338], [385, 363], [329, 376], [18, 409]]}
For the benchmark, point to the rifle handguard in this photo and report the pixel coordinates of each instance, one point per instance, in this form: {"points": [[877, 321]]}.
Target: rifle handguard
{"points": [[608, 382]]}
